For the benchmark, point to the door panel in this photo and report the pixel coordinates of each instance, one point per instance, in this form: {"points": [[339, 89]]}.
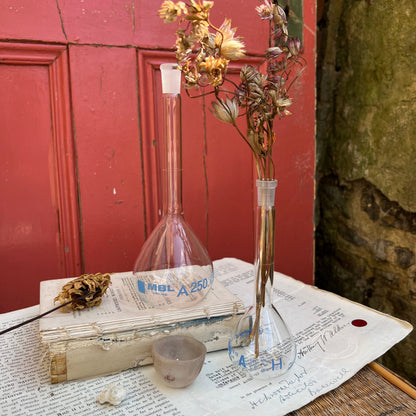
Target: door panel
{"points": [[105, 105], [79, 131], [31, 20], [38, 224]]}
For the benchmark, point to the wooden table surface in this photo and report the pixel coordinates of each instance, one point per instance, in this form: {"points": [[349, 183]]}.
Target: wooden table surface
{"points": [[373, 391]]}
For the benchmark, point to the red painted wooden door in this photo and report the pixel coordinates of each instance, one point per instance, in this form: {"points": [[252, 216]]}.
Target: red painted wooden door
{"points": [[79, 127]]}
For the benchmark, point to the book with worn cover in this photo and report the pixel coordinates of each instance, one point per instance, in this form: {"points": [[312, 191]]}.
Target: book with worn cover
{"points": [[119, 333]]}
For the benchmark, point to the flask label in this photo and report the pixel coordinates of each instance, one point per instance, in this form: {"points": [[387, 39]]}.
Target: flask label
{"points": [[197, 286], [153, 287], [177, 285], [261, 364]]}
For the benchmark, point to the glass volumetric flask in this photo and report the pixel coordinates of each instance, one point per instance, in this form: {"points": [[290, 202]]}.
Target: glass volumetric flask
{"points": [[261, 343], [173, 268]]}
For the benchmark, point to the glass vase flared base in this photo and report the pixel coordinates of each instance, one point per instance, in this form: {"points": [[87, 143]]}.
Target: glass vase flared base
{"points": [[272, 354]]}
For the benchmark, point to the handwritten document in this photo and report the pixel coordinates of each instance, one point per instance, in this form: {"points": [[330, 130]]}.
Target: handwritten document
{"points": [[335, 339]]}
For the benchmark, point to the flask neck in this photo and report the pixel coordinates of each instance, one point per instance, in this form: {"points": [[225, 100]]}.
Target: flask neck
{"points": [[171, 155], [264, 276], [264, 241]]}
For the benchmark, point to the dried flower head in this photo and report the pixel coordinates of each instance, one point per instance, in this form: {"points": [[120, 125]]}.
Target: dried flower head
{"points": [[85, 291], [169, 11], [266, 10], [228, 46], [294, 46], [226, 111], [202, 50], [279, 16], [199, 12], [213, 68], [273, 52]]}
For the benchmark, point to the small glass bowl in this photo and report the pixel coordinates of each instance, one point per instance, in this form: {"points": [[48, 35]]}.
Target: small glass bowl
{"points": [[178, 359]]}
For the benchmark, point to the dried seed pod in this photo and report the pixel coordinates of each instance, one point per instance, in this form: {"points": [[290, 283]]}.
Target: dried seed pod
{"points": [[85, 291]]}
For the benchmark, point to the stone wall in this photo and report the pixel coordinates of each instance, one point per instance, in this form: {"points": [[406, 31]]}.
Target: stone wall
{"points": [[366, 153]]}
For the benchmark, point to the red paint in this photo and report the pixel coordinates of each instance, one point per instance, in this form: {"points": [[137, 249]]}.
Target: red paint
{"points": [[295, 161], [149, 84], [39, 224], [31, 20], [104, 93], [62, 167], [78, 123], [359, 323]]}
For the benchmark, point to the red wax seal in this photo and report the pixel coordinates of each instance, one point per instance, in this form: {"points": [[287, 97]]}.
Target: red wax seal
{"points": [[359, 322]]}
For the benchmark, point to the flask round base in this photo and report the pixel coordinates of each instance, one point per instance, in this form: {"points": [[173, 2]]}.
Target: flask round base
{"points": [[173, 268]]}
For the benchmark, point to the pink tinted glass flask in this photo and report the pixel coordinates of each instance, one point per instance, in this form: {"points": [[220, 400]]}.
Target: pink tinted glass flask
{"points": [[173, 268]]}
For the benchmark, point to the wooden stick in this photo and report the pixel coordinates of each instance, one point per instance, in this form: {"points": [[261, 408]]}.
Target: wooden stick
{"points": [[43, 314], [393, 379]]}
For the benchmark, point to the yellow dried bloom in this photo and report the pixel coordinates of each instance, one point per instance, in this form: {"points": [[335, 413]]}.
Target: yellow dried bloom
{"points": [[214, 68], [191, 75], [200, 31], [230, 47], [169, 11], [199, 11], [183, 46]]}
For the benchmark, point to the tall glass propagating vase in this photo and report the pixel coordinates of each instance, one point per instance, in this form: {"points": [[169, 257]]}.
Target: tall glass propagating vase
{"points": [[173, 268], [262, 344]]}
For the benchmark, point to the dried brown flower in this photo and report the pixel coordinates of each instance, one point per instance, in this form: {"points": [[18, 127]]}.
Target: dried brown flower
{"points": [[225, 111], [85, 291]]}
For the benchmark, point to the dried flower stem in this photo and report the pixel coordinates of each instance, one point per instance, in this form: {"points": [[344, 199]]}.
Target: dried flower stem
{"points": [[265, 266], [77, 299]]}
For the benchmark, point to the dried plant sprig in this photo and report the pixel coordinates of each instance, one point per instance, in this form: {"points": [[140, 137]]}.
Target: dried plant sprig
{"points": [[203, 52], [85, 291]]}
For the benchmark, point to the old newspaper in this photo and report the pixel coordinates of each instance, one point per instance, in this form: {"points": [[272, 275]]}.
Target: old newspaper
{"points": [[335, 339]]}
